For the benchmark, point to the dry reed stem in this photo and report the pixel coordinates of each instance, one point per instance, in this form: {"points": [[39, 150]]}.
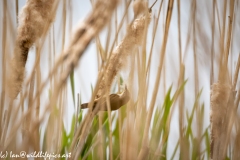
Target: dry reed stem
{"points": [[183, 149], [225, 54], [213, 42], [236, 73], [218, 18], [190, 28], [145, 142], [4, 123], [101, 136], [33, 20], [222, 34], [4, 35], [27, 122], [236, 119], [196, 76], [183, 152], [143, 111], [77, 114], [154, 35], [110, 126], [16, 2], [179, 38], [236, 153]]}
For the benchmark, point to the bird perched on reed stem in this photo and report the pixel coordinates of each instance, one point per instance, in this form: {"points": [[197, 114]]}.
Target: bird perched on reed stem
{"points": [[116, 101]]}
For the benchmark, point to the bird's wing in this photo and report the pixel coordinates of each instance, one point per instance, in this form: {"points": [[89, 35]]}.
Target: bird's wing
{"points": [[102, 102], [113, 96], [114, 100], [84, 105]]}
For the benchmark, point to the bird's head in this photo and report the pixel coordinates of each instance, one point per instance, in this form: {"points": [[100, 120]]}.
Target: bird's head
{"points": [[125, 95]]}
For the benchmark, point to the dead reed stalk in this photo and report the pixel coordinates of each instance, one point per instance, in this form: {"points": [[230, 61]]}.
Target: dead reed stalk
{"points": [[222, 99], [145, 142]]}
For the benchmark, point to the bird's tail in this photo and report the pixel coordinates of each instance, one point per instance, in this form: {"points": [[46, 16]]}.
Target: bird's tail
{"points": [[84, 105]]}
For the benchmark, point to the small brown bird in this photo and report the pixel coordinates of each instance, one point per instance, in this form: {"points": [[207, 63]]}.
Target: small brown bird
{"points": [[116, 101]]}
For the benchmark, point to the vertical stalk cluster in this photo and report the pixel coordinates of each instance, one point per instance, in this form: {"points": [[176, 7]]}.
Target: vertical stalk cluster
{"points": [[223, 97], [132, 39]]}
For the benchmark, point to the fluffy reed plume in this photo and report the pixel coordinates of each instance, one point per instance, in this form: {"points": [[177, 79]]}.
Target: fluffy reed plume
{"points": [[222, 103], [133, 39], [34, 19]]}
